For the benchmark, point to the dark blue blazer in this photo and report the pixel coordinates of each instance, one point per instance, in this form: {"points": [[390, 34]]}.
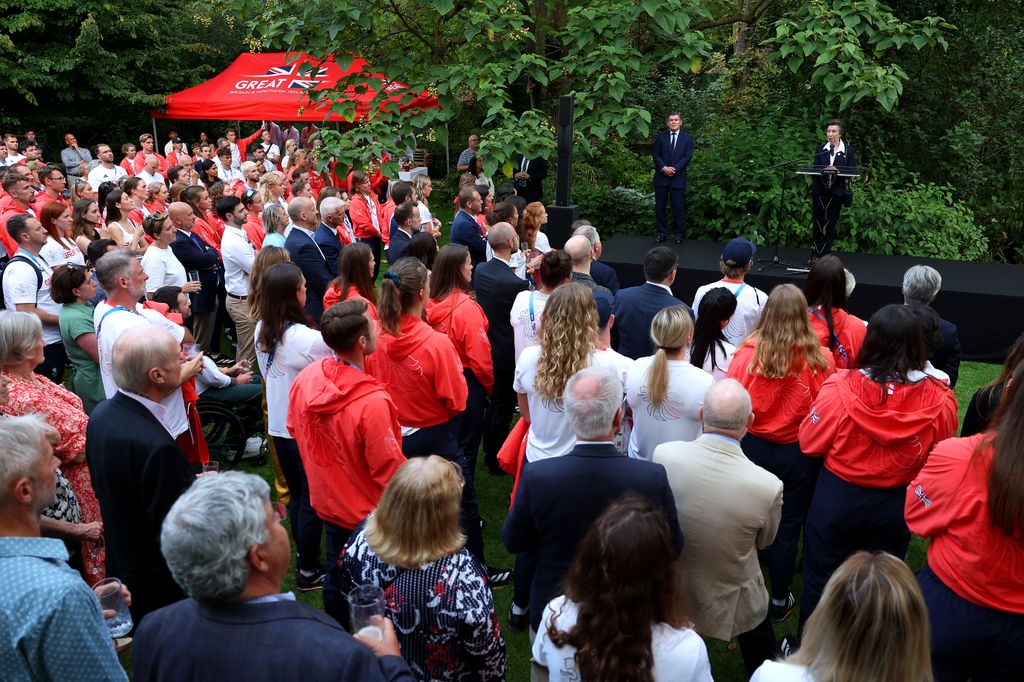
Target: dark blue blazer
{"points": [[635, 308], [304, 253], [399, 245], [278, 641], [558, 499], [605, 276], [204, 259], [466, 231], [533, 189], [843, 160], [663, 155], [327, 237], [496, 290], [138, 472], [947, 356]]}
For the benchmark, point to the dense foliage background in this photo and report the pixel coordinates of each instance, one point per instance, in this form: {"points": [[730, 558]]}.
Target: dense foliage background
{"points": [[931, 93]]}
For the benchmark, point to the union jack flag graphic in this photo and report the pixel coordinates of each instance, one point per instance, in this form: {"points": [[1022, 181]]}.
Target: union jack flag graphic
{"points": [[308, 75]]}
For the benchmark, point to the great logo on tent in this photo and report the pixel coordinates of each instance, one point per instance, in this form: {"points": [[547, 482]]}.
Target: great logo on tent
{"points": [[284, 77]]}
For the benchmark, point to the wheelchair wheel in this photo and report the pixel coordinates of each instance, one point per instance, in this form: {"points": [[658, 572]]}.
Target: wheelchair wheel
{"points": [[225, 434]]}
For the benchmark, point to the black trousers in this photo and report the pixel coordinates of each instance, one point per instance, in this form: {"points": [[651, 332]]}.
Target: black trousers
{"points": [[825, 209], [376, 245], [757, 646], [335, 603], [661, 195], [306, 525], [55, 359], [468, 427], [498, 418]]}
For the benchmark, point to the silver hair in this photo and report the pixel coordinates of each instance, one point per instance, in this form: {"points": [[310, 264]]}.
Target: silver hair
{"points": [[22, 437], [588, 231], [330, 206], [726, 406], [206, 535], [112, 266], [274, 217], [921, 284], [591, 398], [19, 334], [137, 351]]}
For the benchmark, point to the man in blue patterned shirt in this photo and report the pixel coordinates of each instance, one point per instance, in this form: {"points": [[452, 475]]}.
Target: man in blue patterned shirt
{"points": [[51, 626]]}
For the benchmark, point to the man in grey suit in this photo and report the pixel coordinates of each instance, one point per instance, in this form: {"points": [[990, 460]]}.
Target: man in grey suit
{"points": [[728, 509]]}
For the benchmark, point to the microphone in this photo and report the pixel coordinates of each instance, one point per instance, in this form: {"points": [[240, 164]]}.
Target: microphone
{"points": [[831, 148]]}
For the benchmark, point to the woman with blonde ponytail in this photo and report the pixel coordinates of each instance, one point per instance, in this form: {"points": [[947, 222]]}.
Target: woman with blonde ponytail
{"points": [[664, 390]]}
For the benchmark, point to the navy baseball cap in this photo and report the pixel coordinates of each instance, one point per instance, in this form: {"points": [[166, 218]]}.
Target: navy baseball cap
{"points": [[738, 252], [604, 308]]}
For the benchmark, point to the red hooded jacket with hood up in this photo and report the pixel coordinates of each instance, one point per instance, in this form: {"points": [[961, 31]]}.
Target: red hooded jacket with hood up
{"points": [[346, 427], [877, 435]]}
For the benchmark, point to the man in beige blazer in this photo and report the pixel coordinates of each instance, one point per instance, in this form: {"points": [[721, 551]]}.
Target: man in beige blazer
{"points": [[728, 509]]}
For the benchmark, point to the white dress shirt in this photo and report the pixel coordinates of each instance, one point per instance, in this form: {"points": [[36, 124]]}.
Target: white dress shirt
{"points": [[238, 254]]}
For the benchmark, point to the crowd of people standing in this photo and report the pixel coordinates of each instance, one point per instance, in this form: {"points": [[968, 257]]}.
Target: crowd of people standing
{"points": [[660, 451]]}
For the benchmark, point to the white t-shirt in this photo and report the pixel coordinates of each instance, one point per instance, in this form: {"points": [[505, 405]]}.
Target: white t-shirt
{"points": [[149, 178], [300, 347], [679, 655], [749, 304], [550, 432], [425, 215], [163, 267], [56, 254], [722, 360], [524, 324], [777, 671], [21, 285], [110, 327], [238, 254], [99, 175], [676, 418]]}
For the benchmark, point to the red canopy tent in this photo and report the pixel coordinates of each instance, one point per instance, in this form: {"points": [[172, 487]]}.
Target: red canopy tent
{"points": [[272, 86]]}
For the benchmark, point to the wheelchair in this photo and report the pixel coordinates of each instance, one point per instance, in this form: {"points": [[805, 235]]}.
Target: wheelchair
{"points": [[227, 428]]}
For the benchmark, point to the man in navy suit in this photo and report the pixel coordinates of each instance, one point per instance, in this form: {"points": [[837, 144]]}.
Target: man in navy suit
{"points": [[559, 498], [405, 223], [671, 155], [332, 218], [197, 257], [306, 253], [529, 178], [827, 201], [465, 229], [496, 289], [237, 618], [635, 307], [921, 284]]}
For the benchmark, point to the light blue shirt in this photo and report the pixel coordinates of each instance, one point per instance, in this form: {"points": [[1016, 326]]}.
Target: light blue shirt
{"points": [[274, 239], [51, 627]]}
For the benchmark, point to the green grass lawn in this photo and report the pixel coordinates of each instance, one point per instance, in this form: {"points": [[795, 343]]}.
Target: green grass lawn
{"points": [[727, 666]]}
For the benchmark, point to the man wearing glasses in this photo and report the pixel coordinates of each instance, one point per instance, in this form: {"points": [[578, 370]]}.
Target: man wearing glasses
{"points": [[53, 187]]}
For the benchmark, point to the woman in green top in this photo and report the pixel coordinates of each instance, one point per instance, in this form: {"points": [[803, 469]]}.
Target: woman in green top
{"points": [[74, 286]]}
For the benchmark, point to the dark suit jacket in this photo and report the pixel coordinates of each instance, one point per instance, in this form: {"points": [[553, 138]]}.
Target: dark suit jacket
{"points": [[304, 253], [532, 189], [635, 308], [663, 155], [205, 260], [137, 473], [821, 158], [399, 245], [560, 498], [465, 231], [279, 641], [947, 356], [327, 238], [605, 276], [496, 290]]}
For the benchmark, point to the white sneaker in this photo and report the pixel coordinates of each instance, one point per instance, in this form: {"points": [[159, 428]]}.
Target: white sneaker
{"points": [[253, 447]]}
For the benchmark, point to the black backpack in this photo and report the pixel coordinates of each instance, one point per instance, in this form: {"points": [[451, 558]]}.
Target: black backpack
{"points": [[3, 270]]}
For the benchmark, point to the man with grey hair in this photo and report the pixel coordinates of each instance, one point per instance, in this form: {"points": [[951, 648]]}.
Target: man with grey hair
{"points": [[602, 274], [53, 627], [559, 498], [137, 469], [729, 508], [307, 254], [580, 250], [332, 219], [225, 545], [921, 284]]}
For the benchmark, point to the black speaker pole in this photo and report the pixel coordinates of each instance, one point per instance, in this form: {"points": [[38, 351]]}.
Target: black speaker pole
{"points": [[563, 214]]}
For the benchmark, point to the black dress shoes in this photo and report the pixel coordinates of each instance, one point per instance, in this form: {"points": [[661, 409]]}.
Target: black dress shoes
{"points": [[660, 238]]}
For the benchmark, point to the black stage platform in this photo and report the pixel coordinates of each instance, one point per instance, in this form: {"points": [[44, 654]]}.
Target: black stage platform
{"points": [[985, 300]]}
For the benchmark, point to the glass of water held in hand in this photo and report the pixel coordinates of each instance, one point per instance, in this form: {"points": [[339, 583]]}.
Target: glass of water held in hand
{"points": [[112, 601], [366, 605]]}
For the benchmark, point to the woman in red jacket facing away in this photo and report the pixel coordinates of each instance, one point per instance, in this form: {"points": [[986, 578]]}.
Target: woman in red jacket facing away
{"points": [[451, 311], [782, 365], [423, 374], [365, 215], [874, 428], [355, 278], [968, 500], [839, 331]]}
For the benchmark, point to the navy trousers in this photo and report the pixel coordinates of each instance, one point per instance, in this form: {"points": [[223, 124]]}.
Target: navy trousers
{"points": [[438, 440], [845, 518], [797, 473], [55, 359], [468, 427], [661, 195], [306, 525], [335, 603], [971, 641]]}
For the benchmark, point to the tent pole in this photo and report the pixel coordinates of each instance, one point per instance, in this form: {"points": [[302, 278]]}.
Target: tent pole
{"points": [[156, 142], [447, 154]]}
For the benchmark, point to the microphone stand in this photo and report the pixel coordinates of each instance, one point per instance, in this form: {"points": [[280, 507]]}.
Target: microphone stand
{"points": [[775, 259]]}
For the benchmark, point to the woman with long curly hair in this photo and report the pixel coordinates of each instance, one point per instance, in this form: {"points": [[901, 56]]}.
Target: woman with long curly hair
{"points": [[611, 626], [534, 240], [664, 390], [568, 343], [782, 365]]}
